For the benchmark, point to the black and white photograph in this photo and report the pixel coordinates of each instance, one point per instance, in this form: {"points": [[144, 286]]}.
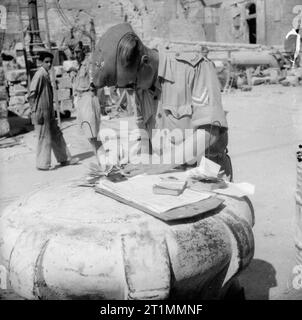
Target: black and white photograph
{"points": [[150, 150]]}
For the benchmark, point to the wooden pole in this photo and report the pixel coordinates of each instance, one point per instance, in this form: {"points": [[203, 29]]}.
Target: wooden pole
{"points": [[23, 44], [217, 44], [53, 76], [33, 23]]}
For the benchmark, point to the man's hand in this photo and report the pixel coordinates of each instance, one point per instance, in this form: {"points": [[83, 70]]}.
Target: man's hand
{"points": [[132, 170]]}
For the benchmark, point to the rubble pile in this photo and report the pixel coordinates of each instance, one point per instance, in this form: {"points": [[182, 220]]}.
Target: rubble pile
{"points": [[17, 87], [64, 78], [4, 124], [258, 76], [241, 66], [293, 78], [245, 78]]}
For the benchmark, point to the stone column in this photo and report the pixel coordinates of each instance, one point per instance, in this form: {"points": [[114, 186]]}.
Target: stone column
{"points": [[261, 21]]}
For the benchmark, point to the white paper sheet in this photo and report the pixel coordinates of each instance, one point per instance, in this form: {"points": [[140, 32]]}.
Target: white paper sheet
{"points": [[206, 169], [237, 189], [139, 189]]}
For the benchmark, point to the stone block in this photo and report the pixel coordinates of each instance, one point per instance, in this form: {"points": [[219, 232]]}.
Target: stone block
{"points": [[64, 82], [21, 110], [3, 109], [17, 100], [16, 75], [274, 75], [17, 90], [3, 93], [63, 94], [285, 83], [246, 88], [2, 76], [66, 105], [70, 65], [293, 80], [4, 127], [21, 61], [298, 72], [58, 71], [260, 80]]}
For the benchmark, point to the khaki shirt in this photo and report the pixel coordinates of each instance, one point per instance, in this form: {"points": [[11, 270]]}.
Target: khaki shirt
{"points": [[41, 95], [82, 80], [186, 96]]}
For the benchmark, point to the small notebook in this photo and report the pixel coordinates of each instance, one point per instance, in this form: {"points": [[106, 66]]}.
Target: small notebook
{"points": [[170, 186]]}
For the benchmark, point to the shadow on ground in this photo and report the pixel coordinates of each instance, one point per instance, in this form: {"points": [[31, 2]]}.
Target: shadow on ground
{"points": [[18, 125], [258, 279], [81, 156], [84, 155]]}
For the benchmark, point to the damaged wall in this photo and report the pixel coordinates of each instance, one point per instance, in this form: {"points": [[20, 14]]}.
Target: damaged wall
{"points": [[274, 20], [279, 17], [173, 19]]}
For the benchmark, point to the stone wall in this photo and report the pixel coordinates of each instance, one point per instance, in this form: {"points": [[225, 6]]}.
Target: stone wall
{"points": [[279, 17], [150, 18], [274, 20], [170, 19]]}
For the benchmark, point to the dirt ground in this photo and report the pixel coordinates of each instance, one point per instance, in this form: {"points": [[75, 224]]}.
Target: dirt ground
{"points": [[262, 147]]}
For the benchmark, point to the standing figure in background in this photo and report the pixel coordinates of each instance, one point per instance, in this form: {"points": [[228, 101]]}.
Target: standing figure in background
{"points": [[204, 51], [292, 45], [49, 134], [69, 42], [85, 99]]}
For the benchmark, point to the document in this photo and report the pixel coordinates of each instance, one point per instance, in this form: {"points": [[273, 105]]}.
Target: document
{"points": [[139, 189], [237, 189]]}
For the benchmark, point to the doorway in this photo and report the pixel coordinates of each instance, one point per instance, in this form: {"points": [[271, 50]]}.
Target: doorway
{"points": [[251, 21]]}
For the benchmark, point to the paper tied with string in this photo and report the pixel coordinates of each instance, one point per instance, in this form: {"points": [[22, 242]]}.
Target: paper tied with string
{"points": [[239, 190], [207, 169]]}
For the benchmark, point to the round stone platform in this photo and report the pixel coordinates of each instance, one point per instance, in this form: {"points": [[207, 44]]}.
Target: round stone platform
{"points": [[69, 242]]}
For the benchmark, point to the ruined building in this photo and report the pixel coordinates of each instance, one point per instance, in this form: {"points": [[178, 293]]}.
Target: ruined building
{"points": [[245, 21]]}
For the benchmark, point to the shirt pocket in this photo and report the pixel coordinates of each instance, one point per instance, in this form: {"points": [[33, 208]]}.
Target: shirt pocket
{"points": [[178, 112]]}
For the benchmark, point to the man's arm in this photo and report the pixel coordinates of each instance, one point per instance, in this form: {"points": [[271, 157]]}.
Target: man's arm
{"points": [[137, 149], [140, 135], [36, 87], [35, 92], [194, 147], [188, 151]]}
